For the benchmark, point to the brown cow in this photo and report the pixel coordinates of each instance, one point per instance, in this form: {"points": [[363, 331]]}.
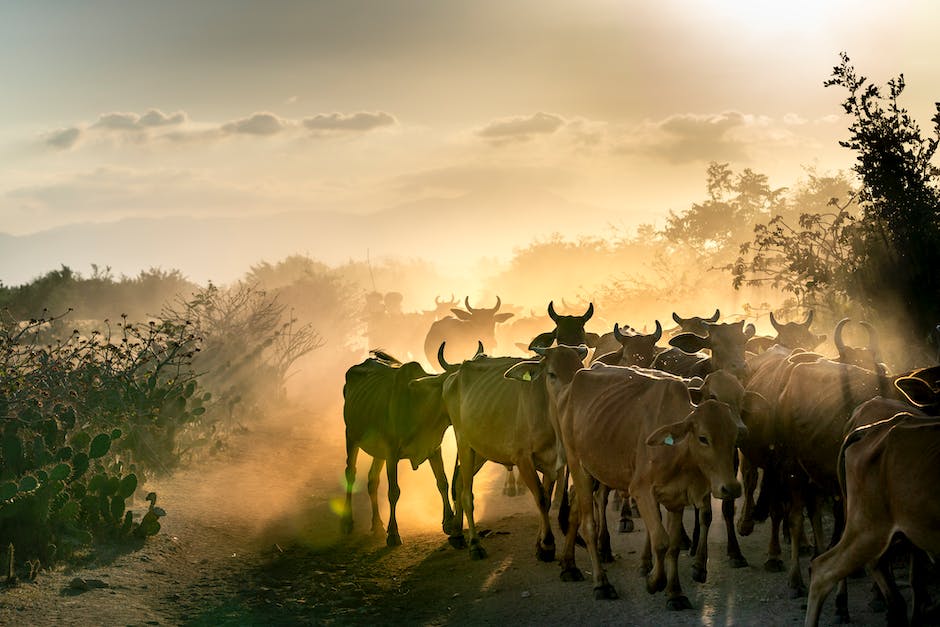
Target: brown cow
{"points": [[890, 473], [463, 330], [632, 348], [640, 432], [791, 334]]}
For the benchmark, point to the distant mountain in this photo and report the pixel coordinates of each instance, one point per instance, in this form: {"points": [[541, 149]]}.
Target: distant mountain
{"points": [[451, 232]]}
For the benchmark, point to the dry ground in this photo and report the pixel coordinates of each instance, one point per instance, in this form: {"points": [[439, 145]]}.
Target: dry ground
{"points": [[251, 538]]}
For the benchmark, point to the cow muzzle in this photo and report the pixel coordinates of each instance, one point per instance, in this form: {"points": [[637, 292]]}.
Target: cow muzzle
{"points": [[728, 491]]}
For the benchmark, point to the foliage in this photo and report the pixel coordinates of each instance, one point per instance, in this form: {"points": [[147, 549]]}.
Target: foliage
{"points": [[84, 421], [881, 254]]}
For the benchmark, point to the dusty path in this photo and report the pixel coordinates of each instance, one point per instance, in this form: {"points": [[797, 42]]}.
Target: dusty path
{"points": [[251, 539]]}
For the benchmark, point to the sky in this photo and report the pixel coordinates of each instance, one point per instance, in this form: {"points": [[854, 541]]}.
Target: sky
{"points": [[112, 110]]}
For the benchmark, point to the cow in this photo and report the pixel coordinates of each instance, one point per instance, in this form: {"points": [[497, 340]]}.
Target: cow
{"points": [[639, 431], [464, 329], [791, 334], [393, 411], [889, 473], [508, 422], [632, 348], [568, 331], [863, 356]]}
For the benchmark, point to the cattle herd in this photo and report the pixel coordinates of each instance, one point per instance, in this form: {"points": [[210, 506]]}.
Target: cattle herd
{"points": [[669, 428]]}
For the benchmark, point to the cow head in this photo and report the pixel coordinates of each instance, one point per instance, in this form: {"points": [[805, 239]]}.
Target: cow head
{"points": [[797, 334], [444, 308], [921, 388], [555, 367], [695, 324], [726, 342], [637, 349], [710, 434], [867, 357], [748, 408], [569, 330]]}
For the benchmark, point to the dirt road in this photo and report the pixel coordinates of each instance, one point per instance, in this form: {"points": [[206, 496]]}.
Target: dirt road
{"points": [[252, 538]]}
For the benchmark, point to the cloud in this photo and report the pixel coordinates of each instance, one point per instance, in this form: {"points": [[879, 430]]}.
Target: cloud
{"points": [[256, 124], [119, 121], [691, 137], [63, 139], [521, 128], [360, 121]]}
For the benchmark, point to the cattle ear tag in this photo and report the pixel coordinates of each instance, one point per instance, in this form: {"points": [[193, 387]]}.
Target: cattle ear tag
{"points": [[526, 376], [669, 441]]}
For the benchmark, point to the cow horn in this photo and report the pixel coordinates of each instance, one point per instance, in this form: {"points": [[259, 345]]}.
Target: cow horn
{"points": [[590, 312], [872, 339], [453, 300], [437, 301], [714, 317], [551, 311], [479, 349], [658, 333], [678, 320], [466, 302], [498, 304], [837, 336], [440, 358], [774, 323], [809, 319], [620, 337]]}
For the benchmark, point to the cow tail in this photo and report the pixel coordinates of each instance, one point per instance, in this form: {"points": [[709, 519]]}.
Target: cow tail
{"points": [[454, 479], [564, 510]]}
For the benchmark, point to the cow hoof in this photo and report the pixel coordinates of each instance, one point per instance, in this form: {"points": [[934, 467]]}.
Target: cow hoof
{"points": [[655, 585], [449, 526], [626, 525], [679, 603], [605, 592], [393, 539], [377, 530], [773, 565], [572, 573], [746, 528], [797, 592], [477, 552], [606, 557], [457, 542], [346, 525], [738, 561], [545, 554], [699, 574]]}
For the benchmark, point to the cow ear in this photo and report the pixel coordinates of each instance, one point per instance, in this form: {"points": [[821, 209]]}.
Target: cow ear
{"points": [[591, 339], [695, 393], [689, 342], [542, 340], [461, 314], [917, 391], [670, 434], [749, 330], [502, 317], [528, 370], [754, 408]]}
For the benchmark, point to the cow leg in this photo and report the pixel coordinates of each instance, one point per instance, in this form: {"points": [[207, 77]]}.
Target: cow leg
{"points": [[373, 489], [352, 453], [853, 551], [646, 559], [584, 491], [509, 486], [700, 557], [626, 520], [603, 533], [468, 463], [696, 529], [676, 600], [658, 540], [569, 518], [437, 467], [749, 475], [795, 519], [774, 564], [883, 577], [919, 598], [394, 491], [545, 544], [734, 549], [455, 535]]}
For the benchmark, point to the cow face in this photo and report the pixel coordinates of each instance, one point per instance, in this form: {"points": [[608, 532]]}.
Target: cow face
{"points": [[555, 368], [638, 349], [695, 324], [866, 357], [797, 334], [722, 386], [709, 432], [569, 330], [726, 342]]}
